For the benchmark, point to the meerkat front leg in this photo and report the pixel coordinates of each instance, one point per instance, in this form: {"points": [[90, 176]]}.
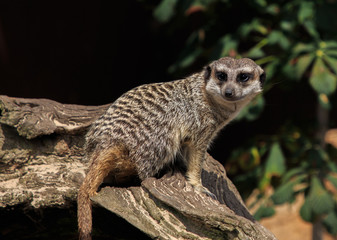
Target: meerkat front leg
{"points": [[195, 157]]}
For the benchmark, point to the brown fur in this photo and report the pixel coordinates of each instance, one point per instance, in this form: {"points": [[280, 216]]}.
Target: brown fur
{"points": [[113, 161]]}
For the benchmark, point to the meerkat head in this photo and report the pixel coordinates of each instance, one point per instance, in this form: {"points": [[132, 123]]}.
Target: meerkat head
{"points": [[234, 80]]}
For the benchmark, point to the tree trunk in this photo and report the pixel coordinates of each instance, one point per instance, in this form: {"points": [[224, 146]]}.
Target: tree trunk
{"points": [[323, 125], [41, 148]]}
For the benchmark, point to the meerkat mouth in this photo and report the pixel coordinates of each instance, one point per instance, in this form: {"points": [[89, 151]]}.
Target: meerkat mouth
{"points": [[235, 99], [241, 98]]}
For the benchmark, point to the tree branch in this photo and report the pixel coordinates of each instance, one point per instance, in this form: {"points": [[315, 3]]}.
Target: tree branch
{"points": [[41, 149]]}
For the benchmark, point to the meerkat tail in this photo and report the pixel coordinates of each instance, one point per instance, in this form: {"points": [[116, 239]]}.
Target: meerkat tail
{"points": [[100, 168], [84, 215]]}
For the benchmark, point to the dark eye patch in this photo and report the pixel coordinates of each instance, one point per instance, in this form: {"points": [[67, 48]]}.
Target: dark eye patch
{"points": [[221, 76], [244, 77]]}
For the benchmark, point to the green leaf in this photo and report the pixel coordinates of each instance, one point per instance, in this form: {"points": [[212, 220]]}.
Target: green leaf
{"points": [[306, 211], [263, 212], [332, 62], [306, 16], [224, 47], [332, 166], [269, 61], [306, 11], [331, 222], [292, 173], [273, 9], [287, 25], [301, 48], [311, 28], [275, 165], [245, 29], [254, 25], [284, 193], [264, 182], [320, 200], [274, 37], [330, 44], [228, 44], [303, 63], [331, 53], [165, 10], [255, 53], [203, 3], [322, 80], [277, 37], [262, 3]]}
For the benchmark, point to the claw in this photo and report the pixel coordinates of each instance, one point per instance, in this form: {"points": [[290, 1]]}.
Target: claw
{"points": [[211, 195], [208, 193], [202, 189]]}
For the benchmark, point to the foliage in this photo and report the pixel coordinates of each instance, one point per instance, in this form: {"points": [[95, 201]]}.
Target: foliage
{"points": [[295, 41]]}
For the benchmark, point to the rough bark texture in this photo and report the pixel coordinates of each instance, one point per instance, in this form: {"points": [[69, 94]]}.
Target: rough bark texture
{"points": [[41, 165], [41, 150]]}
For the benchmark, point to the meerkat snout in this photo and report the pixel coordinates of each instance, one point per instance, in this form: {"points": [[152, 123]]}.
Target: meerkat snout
{"points": [[234, 79], [229, 92]]}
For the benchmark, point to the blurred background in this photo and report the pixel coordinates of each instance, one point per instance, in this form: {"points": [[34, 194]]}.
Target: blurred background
{"points": [[280, 152]]}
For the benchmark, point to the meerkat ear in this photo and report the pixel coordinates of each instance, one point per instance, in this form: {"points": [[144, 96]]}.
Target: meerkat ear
{"points": [[208, 72], [262, 78]]}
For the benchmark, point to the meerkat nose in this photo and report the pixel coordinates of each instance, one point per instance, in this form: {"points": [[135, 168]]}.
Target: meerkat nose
{"points": [[229, 92]]}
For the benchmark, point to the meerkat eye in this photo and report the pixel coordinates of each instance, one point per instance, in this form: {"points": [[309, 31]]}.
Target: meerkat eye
{"points": [[243, 77], [221, 76]]}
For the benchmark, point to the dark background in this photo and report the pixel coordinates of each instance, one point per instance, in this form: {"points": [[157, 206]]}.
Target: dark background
{"points": [[82, 52]]}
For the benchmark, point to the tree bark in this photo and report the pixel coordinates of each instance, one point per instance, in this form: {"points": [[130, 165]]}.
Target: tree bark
{"points": [[41, 149]]}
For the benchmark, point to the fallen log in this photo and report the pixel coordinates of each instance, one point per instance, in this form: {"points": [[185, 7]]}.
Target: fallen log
{"points": [[41, 165]]}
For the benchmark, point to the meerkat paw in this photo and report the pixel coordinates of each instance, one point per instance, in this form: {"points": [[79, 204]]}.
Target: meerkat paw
{"points": [[204, 190]]}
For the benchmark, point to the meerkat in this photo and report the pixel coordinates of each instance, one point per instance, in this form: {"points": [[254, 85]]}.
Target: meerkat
{"points": [[149, 126]]}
